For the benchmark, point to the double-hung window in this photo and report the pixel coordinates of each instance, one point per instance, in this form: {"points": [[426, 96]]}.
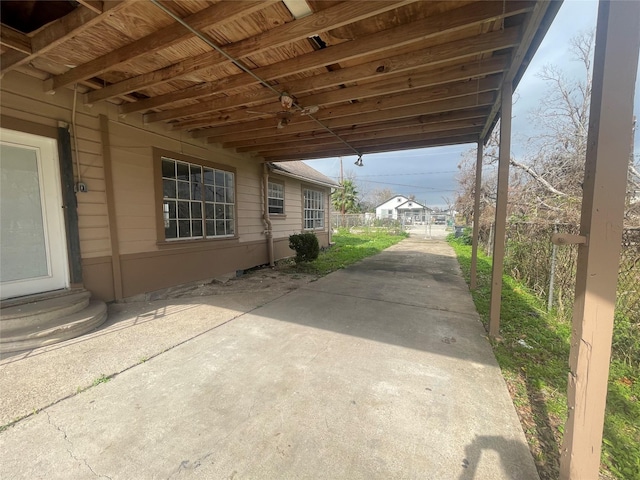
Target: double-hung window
{"points": [[275, 196], [197, 201], [313, 209]]}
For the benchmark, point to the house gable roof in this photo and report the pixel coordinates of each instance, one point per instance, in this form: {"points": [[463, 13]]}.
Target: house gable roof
{"points": [[416, 205], [392, 198], [302, 171]]}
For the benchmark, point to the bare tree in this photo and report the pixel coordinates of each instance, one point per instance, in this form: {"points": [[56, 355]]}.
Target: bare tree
{"points": [[466, 177], [546, 183], [375, 197]]}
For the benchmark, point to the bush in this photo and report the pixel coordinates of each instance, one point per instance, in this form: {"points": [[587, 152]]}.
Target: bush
{"points": [[465, 238], [305, 245]]}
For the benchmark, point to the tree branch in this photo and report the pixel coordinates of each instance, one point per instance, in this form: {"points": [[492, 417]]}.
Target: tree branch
{"points": [[538, 178]]}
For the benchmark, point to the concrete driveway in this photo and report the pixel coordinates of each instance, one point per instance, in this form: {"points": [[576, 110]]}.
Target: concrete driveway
{"points": [[381, 370]]}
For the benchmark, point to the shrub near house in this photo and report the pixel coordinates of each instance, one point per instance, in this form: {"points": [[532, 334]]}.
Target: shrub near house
{"points": [[305, 245]]}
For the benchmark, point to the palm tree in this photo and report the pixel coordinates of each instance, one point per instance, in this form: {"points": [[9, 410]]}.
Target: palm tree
{"points": [[345, 199]]}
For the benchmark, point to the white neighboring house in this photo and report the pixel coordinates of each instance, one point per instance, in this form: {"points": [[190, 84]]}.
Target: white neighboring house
{"points": [[401, 207]]}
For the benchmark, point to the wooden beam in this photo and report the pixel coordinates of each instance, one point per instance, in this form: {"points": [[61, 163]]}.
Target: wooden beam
{"points": [[394, 83], [532, 24], [264, 128], [398, 83], [211, 17], [501, 210], [423, 95], [342, 14], [444, 129], [421, 58], [58, 32], [330, 18], [421, 30], [156, 77], [426, 120], [69, 203], [112, 218], [615, 64], [95, 6], [15, 40], [303, 148], [345, 151], [327, 138], [473, 283], [406, 82]]}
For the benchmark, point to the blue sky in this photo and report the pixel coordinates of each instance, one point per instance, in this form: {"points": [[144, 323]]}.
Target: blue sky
{"points": [[429, 173]]}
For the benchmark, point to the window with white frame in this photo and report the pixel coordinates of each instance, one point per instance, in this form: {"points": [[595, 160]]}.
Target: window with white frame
{"points": [[313, 209], [197, 201], [275, 196]]}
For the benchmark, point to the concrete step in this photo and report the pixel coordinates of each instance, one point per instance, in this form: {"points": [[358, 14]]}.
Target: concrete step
{"points": [[36, 310], [54, 330]]}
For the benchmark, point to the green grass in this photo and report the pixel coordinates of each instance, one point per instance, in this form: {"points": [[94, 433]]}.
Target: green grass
{"points": [[533, 355], [349, 248]]}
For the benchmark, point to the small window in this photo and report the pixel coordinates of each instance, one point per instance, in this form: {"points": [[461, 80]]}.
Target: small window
{"points": [[313, 209], [276, 198], [197, 201]]}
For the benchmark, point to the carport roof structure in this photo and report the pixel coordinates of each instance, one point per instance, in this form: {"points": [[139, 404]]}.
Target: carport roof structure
{"points": [[361, 76], [358, 77]]}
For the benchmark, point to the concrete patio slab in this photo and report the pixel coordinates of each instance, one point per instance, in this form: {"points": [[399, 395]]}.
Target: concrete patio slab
{"points": [[339, 379]]}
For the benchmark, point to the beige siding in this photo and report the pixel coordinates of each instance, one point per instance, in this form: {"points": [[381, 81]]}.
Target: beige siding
{"points": [[291, 222], [131, 153], [131, 148], [22, 97]]}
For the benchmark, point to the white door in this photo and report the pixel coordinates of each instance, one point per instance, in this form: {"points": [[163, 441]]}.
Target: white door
{"points": [[33, 253]]}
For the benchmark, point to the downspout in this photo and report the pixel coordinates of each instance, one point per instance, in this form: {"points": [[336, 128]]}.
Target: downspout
{"points": [[265, 214], [331, 190]]}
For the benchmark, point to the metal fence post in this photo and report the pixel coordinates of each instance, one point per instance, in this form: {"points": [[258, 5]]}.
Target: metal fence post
{"points": [[552, 274]]}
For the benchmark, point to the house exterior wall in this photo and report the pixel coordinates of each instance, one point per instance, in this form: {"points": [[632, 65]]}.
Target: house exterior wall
{"points": [[146, 262], [390, 205]]}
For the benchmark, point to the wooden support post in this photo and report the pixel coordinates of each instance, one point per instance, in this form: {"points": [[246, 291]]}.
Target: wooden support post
{"points": [[70, 204], [610, 126], [501, 209], [476, 220], [116, 267]]}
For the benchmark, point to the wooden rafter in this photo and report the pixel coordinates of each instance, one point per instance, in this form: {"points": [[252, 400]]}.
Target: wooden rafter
{"points": [[376, 69], [430, 122], [334, 17], [383, 74], [95, 6], [400, 99], [445, 128], [420, 30], [55, 34], [267, 128], [275, 136], [211, 17], [532, 26], [15, 40], [420, 58], [302, 149], [322, 153]]}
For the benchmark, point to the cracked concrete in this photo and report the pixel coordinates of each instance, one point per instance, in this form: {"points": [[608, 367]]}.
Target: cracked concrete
{"points": [[381, 370]]}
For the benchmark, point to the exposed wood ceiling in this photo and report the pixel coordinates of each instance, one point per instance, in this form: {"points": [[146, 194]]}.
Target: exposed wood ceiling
{"points": [[386, 75]]}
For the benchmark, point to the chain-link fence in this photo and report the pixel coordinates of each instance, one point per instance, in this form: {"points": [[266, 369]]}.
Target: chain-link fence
{"points": [[550, 271], [628, 301], [365, 220]]}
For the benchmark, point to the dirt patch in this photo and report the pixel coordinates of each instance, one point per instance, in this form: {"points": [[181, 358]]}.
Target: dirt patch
{"points": [[280, 279]]}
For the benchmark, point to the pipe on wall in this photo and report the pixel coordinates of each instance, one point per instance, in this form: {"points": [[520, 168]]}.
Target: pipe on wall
{"points": [[265, 213]]}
